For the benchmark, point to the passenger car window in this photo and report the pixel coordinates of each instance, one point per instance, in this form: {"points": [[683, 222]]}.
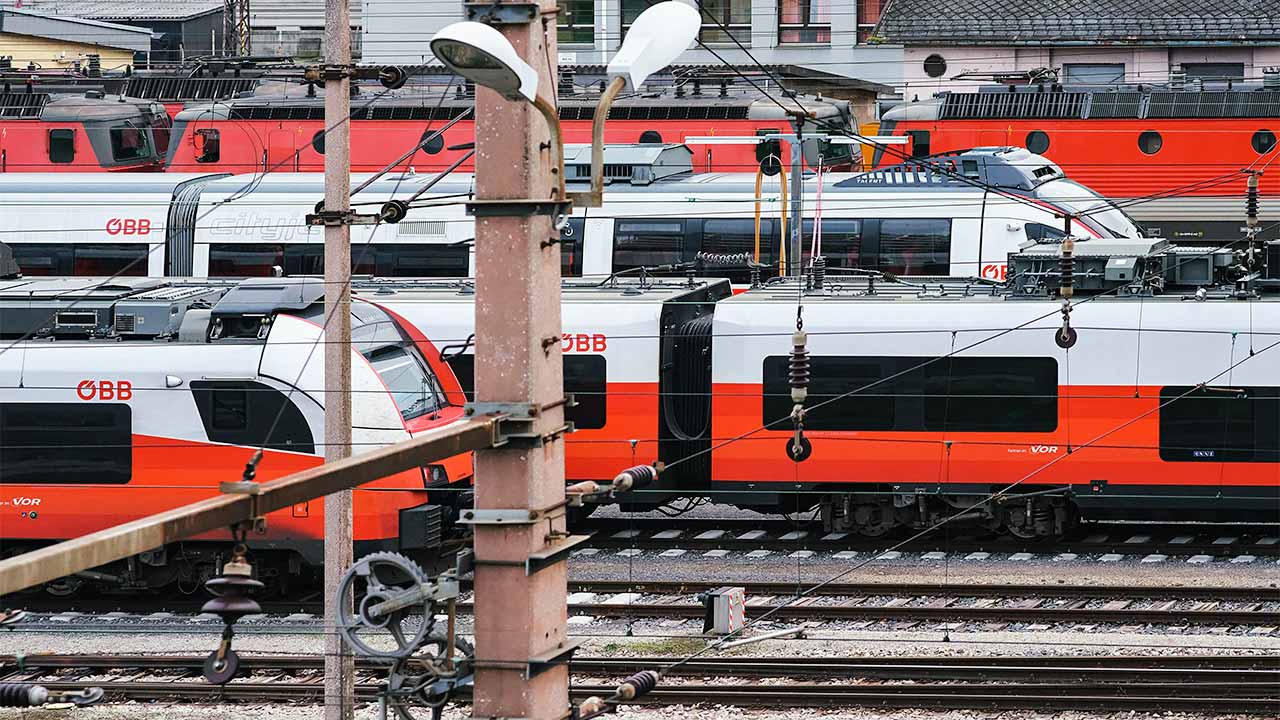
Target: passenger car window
{"points": [[915, 247], [62, 146], [52, 443]]}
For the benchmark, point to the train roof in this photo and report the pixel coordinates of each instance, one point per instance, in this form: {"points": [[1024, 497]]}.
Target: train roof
{"points": [[292, 103], [54, 184], [627, 289], [1058, 102]]}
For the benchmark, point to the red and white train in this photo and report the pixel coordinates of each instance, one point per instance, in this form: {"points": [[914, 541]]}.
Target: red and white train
{"points": [[143, 395]]}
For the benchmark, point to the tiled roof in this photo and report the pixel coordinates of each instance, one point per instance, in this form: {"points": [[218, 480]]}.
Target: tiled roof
{"points": [[122, 9], [1048, 22]]}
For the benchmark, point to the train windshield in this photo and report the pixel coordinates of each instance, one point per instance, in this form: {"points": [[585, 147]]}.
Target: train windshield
{"points": [[394, 357], [129, 142], [160, 128], [1092, 208]]}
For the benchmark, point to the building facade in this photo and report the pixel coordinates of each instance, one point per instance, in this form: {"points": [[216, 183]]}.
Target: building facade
{"points": [[48, 42], [955, 45], [827, 37], [179, 29]]}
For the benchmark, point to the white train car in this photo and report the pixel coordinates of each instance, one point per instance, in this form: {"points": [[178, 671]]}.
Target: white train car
{"points": [[656, 214], [120, 401]]}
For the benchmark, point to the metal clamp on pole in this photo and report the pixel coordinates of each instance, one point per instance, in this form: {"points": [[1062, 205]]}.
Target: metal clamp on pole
{"points": [[519, 208], [338, 218], [514, 423]]}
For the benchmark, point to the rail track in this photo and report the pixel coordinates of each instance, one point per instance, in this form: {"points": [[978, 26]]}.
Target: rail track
{"points": [[746, 535], [1220, 684], [987, 604]]}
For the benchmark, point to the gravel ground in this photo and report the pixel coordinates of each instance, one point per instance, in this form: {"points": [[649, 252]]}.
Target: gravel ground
{"points": [[135, 711]]}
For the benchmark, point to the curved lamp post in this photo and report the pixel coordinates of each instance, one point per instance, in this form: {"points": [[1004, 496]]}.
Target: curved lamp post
{"points": [[484, 56]]}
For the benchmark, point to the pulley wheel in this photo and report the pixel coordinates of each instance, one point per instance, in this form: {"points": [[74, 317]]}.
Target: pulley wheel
{"points": [[1065, 337], [221, 672], [799, 454]]}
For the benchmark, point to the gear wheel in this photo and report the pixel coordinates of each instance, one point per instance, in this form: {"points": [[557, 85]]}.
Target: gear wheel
{"points": [[425, 680], [373, 579]]}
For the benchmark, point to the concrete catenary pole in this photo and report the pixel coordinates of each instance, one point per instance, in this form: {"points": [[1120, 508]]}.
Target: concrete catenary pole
{"points": [[519, 616], [339, 688]]}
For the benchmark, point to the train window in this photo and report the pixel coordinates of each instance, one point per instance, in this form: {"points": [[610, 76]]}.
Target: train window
{"points": [[960, 393], [244, 260], [47, 443], [585, 377], [1040, 231], [919, 142], [836, 398], [62, 146], [841, 241], [105, 260], [1219, 424], [128, 142], [734, 237], [425, 260], [208, 145], [76, 259], [1263, 141], [912, 394], [414, 389], [1037, 141], [915, 247], [431, 143], [645, 243], [1150, 142], [651, 137], [243, 412], [571, 247], [317, 142]]}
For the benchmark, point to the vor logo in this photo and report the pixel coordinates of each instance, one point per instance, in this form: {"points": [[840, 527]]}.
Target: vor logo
{"points": [[104, 390]]}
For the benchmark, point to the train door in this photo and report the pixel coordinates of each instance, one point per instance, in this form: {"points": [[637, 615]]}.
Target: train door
{"points": [[597, 246], [282, 151]]}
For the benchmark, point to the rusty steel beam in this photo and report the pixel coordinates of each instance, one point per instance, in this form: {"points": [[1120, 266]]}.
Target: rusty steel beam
{"points": [[122, 541]]}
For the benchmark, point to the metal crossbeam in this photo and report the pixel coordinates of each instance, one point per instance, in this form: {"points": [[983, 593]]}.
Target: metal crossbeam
{"points": [[122, 541]]}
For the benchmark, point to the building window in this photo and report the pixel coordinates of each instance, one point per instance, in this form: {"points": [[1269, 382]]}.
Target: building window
{"points": [[1150, 142], [577, 22], [1214, 71], [804, 21], [733, 15], [868, 16], [1093, 73], [62, 146], [920, 394], [935, 66], [49, 443]]}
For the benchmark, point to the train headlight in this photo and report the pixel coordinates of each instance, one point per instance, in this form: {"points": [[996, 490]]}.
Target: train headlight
{"points": [[434, 475]]}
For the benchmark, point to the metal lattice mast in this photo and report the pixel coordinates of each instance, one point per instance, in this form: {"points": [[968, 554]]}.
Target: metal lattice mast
{"points": [[235, 27]]}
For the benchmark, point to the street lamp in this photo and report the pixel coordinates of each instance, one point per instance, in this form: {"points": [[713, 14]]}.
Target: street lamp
{"points": [[484, 56]]}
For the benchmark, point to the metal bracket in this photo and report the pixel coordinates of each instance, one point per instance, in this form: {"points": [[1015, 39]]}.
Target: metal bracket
{"points": [[553, 553], [559, 655], [518, 208], [493, 13], [515, 423], [445, 587], [338, 218], [253, 490], [500, 517]]}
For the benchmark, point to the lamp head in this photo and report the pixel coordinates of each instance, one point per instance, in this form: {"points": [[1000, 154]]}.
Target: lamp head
{"points": [[482, 55], [655, 40]]}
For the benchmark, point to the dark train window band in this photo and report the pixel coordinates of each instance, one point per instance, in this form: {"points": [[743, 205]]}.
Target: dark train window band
{"points": [[949, 395], [585, 376], [1220, 424], [241, 412], [56, 443], [105, 259], [380, 259]]}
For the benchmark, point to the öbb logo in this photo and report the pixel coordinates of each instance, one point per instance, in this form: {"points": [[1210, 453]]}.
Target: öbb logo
{"points": [[105, 390], [995, 272], [582, 342], [129, 226]]}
